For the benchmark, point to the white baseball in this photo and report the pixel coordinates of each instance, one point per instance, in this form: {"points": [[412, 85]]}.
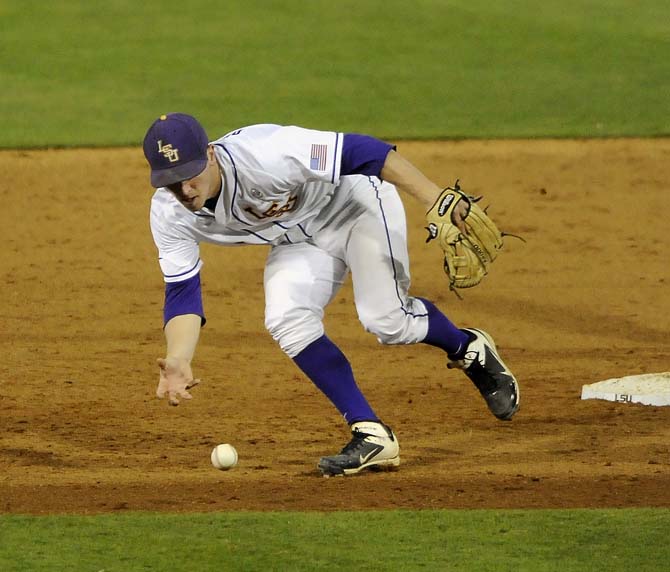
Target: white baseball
{"points": [[224, 457]]}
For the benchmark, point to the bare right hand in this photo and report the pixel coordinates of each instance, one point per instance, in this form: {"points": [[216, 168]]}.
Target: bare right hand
{"points": [[176, 378]]}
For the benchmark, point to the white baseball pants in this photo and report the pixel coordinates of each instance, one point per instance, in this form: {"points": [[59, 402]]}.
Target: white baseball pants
{"points": [[363, 229]]}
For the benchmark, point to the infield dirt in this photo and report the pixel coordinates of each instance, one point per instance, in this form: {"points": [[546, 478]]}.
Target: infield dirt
{"points": [[585, 298]]}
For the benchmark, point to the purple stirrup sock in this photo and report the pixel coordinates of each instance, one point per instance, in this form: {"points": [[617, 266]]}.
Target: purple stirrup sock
{"points": [[328, 368], [443, 334]]}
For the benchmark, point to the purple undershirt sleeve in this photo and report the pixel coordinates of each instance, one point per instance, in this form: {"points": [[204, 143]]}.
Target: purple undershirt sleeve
{"points": [[183, 298], [363, 155]]}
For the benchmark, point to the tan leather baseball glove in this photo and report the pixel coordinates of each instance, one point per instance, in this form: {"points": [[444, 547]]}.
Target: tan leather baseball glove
{"points": [[467, 257]]}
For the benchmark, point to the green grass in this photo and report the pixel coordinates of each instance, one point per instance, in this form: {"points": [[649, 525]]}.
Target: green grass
{"points": [[533, 541], [97, 73]]}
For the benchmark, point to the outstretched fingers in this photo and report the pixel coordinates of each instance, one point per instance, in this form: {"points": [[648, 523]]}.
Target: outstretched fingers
{"points": [[193, 383], [173, 396], [175, 380]]}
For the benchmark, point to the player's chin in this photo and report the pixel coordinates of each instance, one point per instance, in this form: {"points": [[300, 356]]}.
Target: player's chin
{"points": [[193, 205]]}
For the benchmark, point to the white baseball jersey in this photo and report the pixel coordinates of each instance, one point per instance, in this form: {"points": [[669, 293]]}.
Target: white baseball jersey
{"points": [[282, 186], [276, 181]]}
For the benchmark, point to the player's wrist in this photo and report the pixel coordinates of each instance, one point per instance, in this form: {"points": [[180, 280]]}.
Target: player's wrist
{"points": [[177, 358]]}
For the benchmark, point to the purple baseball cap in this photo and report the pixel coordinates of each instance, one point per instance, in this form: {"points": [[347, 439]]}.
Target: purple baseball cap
{"points": [[176, 148]]}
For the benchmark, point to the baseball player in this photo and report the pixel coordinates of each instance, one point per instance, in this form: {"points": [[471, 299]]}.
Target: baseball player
{"points": [[327, 205]]}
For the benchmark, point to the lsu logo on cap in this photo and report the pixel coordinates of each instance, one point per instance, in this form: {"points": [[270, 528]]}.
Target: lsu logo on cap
{"points": [[168, 152]]}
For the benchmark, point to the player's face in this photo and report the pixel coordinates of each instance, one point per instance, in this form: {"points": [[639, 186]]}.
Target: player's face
{"points": [[192, 193]]}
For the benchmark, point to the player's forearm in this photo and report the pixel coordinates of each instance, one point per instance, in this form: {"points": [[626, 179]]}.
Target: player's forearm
{"points": [[182, 334], [406, 177]]}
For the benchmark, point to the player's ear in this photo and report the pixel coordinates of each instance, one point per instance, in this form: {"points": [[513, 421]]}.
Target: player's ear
{"points": [[210, 154]]}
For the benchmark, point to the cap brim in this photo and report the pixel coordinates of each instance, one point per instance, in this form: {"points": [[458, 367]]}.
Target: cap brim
{"points": [[165, 177]]}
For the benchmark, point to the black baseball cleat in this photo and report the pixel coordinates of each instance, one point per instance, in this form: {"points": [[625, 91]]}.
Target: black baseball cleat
{"points": [[482, 364], [373, 445]]}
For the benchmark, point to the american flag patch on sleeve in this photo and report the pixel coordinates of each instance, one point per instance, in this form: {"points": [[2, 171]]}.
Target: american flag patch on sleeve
{"points": [[317, 157]]}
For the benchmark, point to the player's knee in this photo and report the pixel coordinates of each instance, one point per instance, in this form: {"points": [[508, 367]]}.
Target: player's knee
{"points": [[294, 335], [392, 328]]}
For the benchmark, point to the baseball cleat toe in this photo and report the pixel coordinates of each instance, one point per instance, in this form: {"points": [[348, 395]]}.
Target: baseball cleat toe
{"points": [[488, 372], [373, 446]]}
